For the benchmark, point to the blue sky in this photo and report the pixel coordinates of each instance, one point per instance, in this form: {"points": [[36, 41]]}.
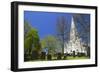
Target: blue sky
{"points": [[45, 22]]}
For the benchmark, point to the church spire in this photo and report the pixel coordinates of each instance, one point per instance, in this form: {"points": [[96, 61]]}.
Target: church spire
{"points": [[73, 30], [74, 43]]}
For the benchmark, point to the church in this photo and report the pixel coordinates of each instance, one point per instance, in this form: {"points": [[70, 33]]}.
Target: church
{"points": [[75, 42]]}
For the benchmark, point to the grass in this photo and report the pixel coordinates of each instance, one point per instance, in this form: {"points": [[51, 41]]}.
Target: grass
{"points": [[73, 58], [67, 58], [76, 58]]}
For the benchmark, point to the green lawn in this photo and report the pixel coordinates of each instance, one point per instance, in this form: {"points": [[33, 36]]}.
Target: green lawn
{"points": [[76, 58], [72, 58], [67, 58]]}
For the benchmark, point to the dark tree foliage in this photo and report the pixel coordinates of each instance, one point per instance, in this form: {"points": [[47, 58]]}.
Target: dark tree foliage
{"points": [[62, 31], [83, 23]]}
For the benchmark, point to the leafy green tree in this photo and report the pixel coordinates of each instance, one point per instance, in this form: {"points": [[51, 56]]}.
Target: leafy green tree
{"points": [[31, 41], [50, 43], [27, 27]]}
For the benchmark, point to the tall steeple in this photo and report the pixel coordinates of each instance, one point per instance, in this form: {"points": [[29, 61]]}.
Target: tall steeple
{"points": [[74, 43], [73, 31]]}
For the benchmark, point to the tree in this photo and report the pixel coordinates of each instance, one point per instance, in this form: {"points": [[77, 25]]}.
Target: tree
{"points": [[62, 31], [49, 42], [83, 21], [31, 41], [27, 27]]}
